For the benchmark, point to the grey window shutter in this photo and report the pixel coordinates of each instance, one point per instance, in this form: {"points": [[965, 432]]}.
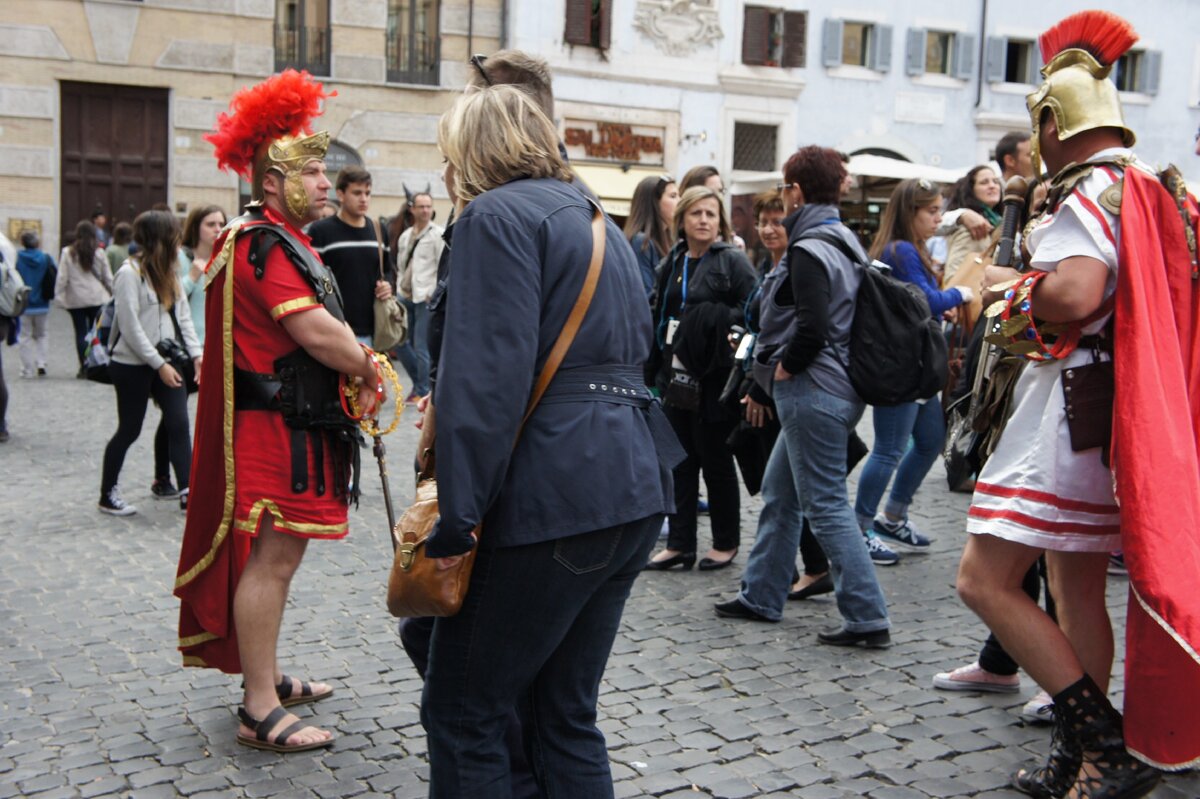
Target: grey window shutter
{"points": [[964, 55], [881, 48], [831, 43], [756, 35], [1151, 72], [997, 47], [914, 56]]}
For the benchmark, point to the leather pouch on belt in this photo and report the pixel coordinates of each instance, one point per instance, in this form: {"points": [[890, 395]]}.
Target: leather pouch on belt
{"points": [[1088, 391]]}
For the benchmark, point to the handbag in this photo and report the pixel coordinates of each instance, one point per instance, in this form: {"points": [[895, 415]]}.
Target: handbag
{"points": [[416, 586], [960, 454], [391, 318], [176, 354], [1088, 395]]}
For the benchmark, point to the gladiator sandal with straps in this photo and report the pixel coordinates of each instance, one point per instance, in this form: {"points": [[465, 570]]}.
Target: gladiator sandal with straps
{"points": [[1055, 778], [1109, 771]]}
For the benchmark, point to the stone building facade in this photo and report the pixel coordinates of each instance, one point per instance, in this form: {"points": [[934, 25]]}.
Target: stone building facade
{"points": [[103, 103]]}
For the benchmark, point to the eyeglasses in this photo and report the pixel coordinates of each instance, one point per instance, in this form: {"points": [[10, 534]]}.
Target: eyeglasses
{"points": [[664, 180], [784, 186], [477, 62]]}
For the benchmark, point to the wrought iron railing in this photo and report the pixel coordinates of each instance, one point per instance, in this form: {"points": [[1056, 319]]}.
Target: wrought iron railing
{"points": [[302, 48]]}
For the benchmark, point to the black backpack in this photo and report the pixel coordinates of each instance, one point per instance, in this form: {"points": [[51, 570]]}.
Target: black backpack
{"points": [[897, 349]]}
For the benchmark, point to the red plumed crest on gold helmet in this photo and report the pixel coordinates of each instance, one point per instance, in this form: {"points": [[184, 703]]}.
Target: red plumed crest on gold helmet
{"points": [[1101, 33], [282, 105]]}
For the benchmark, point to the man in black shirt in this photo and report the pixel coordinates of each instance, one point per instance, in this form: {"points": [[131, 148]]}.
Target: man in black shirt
{"points": [[350, 245]]}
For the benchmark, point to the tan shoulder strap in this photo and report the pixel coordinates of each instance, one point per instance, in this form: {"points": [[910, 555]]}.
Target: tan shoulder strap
{"points": [[567, 336], [379, 239]]}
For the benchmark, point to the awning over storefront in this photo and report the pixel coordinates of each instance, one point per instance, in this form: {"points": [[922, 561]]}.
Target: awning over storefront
{"points": [[875, 167], [614, 185]]}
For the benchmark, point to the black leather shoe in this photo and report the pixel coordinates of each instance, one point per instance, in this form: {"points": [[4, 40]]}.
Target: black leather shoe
{"points": [[879, 639], [684, 559], [824, 585], [734, 609], [710, 565]]}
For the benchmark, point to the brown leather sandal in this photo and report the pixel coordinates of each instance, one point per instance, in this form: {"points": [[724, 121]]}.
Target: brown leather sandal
{"points": [[288, 696], [262, 731]]}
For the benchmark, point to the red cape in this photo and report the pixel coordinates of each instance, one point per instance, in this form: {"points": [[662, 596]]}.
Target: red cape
{"points": [[213, 557], [1156, 466]]}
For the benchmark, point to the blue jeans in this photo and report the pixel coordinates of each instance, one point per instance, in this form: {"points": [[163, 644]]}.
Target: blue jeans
{"points": [[414, 353], [893, 426], [534, 634], [806, 478]]}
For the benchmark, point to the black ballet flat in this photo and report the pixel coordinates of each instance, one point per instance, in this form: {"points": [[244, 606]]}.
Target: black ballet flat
{"points": [[823, 585], [710, 565], [684, 559]]}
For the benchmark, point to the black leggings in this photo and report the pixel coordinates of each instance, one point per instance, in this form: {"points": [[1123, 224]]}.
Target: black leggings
{"points": [[135, 385], [83, 319]]}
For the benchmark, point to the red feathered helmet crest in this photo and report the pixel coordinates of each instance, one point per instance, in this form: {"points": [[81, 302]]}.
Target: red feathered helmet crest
{"points": [[269, 127], [1079, 53]]}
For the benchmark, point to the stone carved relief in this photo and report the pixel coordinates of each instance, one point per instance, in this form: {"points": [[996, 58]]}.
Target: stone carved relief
{"points": [[678, 27]]}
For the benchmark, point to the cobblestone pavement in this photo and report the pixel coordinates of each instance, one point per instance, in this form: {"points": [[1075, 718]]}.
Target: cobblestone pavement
{"points": [[95, 702]]}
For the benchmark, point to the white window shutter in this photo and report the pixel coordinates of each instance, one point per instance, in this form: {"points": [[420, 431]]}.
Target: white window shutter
{"points": [[964, 56], [881, 48], [914, 55], [997, 51], [831, 43]]}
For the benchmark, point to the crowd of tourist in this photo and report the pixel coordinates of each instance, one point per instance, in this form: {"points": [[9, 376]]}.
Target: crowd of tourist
{"points": [[746, 367]]}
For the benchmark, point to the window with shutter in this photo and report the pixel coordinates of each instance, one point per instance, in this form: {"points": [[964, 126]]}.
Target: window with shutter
{"points": [[795, 34], [879, 41], [579, 22], [993, 64], [831, 43], [604, 24], [964, 56], [1151, 72], [756, 35], [914, 55]]}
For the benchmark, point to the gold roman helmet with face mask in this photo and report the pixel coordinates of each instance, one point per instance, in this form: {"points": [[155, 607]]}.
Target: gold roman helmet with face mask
{"points": [[287, 156], [268, 129], [1080, 52]]}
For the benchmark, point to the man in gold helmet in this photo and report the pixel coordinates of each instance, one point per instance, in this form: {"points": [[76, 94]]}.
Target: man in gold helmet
{"points": [[1106, 263], [276, 456]]}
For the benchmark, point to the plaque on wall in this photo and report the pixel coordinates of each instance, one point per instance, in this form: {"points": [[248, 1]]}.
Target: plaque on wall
{"points": [[590, 140]]}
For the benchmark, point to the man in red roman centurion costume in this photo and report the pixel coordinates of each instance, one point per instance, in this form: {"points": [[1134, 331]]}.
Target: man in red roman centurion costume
{"points": [[276, 457], [1112, 288]]}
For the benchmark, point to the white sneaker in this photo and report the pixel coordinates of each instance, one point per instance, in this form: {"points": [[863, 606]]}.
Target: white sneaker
{"points": [[114, 505], [1039, 709]]}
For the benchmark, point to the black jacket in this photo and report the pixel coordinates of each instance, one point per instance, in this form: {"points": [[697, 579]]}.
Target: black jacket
{"points": [[724, 276]]}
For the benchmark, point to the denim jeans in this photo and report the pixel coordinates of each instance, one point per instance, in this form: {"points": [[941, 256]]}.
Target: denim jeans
{"points": [[893, 426], [414, 353], [806, 478], [534, 634]]}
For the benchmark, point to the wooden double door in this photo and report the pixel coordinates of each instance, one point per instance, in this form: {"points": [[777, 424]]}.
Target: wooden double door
{"points": [[114, 151]]}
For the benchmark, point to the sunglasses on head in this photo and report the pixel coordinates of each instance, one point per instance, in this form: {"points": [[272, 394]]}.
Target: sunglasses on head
{"points": [[477, 62]]}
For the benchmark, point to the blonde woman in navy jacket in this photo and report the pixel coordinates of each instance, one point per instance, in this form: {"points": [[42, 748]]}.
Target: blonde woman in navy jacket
{"points": [[570, 513]]}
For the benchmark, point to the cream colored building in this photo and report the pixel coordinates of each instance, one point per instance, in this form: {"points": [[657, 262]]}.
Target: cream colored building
{"points": [[103, 103]]}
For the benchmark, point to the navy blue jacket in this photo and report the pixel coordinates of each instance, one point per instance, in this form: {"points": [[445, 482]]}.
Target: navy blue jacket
{"points": [[520, 255]]}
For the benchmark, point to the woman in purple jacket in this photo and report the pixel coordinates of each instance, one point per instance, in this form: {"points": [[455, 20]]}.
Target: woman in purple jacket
{"points": [[912, 216]]}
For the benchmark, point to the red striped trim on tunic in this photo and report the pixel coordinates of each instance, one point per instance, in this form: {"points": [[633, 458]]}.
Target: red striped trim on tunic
{"points": [[1045, 498], [1095, 211], [1042, 525]]}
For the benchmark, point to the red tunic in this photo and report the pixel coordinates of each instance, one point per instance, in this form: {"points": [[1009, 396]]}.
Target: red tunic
{"points": [[241, 461]]}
